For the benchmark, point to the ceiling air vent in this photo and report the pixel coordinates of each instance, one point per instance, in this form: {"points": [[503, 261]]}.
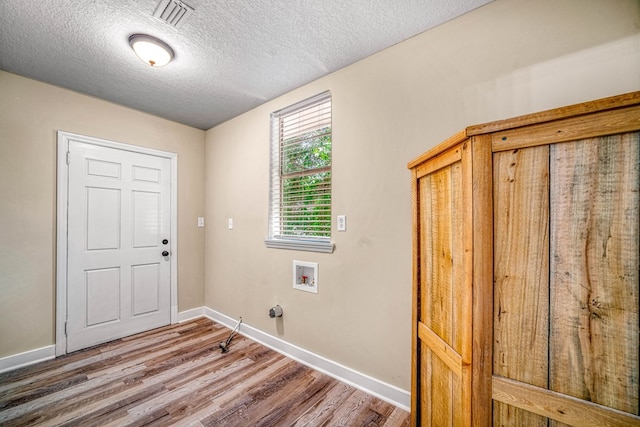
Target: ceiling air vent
{"points": [[173, 12]]}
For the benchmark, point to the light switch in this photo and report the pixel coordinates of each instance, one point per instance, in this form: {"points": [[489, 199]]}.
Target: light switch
{"points": [[200, 221], [230, 223], [342, 223]]}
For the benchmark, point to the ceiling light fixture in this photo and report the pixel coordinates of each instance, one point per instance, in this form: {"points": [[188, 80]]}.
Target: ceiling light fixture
{"points": [[151, 50]]}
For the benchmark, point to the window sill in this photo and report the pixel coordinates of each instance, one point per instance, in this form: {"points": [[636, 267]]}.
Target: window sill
{"points": [[301, 245]]}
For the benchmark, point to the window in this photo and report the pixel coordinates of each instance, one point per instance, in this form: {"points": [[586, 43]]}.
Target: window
{"points": [[300, 185]]}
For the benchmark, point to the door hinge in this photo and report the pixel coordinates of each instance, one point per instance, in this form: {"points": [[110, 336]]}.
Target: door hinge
{"points": [[65, 328], [68, 157]]}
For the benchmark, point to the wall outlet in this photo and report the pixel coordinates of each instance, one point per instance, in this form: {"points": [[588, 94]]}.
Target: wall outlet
{"points": [[200, 221], [342, 223]]}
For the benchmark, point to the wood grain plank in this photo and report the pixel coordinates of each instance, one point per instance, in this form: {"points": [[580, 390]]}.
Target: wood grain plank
{"points": [[583, 108], [354, 412], [323, 411], [464, 283], [397, 418], [443, 351], [594, 272], [460, 413], [481, 271], [444, 145], [521, 273], [416, 192], [426, 245], [461, 279], [438, 308], [442, 410], [304, 398], [426, 386], [588, 126], [447, 158], [424, 258], [560, 407]]}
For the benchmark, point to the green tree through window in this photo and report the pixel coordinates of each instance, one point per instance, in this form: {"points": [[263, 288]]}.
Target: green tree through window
{"points": [[306, 185]]}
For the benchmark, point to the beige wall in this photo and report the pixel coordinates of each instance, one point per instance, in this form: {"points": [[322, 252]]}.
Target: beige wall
{"points": [[508, 58], [30, 114]]}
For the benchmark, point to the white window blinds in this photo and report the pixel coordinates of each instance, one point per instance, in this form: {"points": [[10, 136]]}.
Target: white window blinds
{"points": [[300, 211]]}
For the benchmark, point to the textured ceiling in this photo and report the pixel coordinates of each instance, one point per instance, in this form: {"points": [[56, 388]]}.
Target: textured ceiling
{"points": [[231, 55]]}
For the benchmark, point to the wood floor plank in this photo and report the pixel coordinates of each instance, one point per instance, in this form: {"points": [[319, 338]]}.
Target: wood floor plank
{"points": [[324, 410], [397, 418], [303, 398], [177, 375], [231, 389]]}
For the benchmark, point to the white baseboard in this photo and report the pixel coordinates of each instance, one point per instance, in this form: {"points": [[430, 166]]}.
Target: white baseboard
{"points": [[194, 313], [387, 392], [30, 357]]}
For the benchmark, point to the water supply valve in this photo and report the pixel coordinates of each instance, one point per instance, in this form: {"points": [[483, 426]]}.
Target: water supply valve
{"points": [[275, 311]]}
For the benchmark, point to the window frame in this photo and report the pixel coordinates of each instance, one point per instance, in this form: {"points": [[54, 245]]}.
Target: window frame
{"points": [[275, 240]]}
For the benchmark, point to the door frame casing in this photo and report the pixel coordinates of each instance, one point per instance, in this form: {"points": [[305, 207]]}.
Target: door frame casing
{"points": [[62, 200]]}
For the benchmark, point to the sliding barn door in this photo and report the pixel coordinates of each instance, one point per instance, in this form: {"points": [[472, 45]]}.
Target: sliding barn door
{"points": [[566, 296], [442, 304]]}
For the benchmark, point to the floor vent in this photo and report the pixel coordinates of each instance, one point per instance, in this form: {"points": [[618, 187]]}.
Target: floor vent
{"points": [[173, 12]]}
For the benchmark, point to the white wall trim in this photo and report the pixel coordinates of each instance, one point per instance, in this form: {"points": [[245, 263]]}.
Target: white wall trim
{"points": [[387, 392], [62, 199], [30, 357], [194, 313]]}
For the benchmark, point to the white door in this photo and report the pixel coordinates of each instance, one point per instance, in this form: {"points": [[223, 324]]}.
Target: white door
{"points": [[119, 269]]}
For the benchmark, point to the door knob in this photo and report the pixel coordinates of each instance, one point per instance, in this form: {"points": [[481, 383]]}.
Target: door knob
{"points": [[165, 253], [165, 241]]}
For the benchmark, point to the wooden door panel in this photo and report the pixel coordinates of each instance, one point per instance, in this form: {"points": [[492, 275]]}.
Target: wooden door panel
{"points": [[443, 322], [436, 309], [594, 270], [566, 282], [521, 271], [443, 261]]}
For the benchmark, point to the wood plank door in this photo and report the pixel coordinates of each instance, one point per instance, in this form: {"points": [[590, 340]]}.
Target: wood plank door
{"points": [[442, 302], [521, 274], [118, 263], [594, 284], [567, 283]]}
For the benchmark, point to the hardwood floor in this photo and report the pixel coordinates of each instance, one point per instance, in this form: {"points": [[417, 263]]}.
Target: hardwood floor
{"points": [[177, 375]]}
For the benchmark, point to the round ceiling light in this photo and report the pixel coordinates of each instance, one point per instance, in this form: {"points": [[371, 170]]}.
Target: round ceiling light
{"points": [[151, 50]]}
